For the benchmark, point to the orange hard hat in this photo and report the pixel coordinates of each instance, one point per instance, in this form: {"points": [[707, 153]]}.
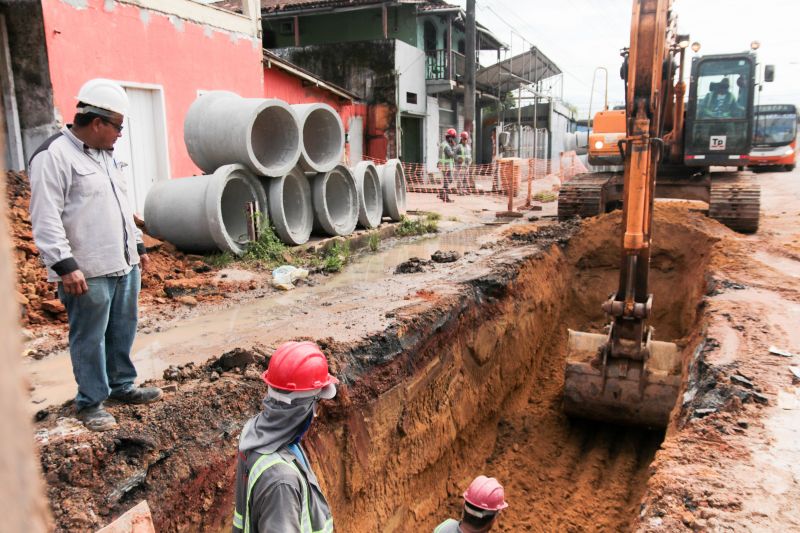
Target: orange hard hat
{"points": [[465, 135], [451, 132], [298, 366], [486, 493]]}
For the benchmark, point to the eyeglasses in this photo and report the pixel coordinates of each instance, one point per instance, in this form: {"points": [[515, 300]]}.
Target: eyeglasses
{"points": [[117, 127]]}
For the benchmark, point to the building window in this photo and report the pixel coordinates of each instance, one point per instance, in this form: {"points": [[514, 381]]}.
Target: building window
{"points": [[287, 27], [411, 98]]}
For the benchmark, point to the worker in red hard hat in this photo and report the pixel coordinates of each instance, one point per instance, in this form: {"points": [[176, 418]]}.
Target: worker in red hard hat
{"points": [[464, 182], [483, 501], [276, 489], [447, 162]]}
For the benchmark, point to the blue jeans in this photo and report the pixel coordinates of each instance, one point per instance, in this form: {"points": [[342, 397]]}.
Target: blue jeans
{"points": [[102, 325]]}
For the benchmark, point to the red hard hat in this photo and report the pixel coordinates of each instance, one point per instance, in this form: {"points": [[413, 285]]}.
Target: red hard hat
{"points": [[465, 135], [451, 132], [298, 366], [486, 493]]}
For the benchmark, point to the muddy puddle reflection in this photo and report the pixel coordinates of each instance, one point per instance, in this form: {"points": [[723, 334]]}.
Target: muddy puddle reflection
{"points": [[346, 306]]}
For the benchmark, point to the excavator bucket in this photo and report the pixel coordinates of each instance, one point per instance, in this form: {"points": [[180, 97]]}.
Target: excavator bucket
{"points": [[621, 391]]}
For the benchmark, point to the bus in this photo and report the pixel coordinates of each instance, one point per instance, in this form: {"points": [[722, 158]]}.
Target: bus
{"points": [[775, 137]]}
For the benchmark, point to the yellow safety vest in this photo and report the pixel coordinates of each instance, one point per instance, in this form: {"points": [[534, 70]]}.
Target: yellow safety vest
{"points": [[264, 463]]}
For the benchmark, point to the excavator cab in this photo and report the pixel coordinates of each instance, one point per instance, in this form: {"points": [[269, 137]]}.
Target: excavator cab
{"points": [[719, 115]]}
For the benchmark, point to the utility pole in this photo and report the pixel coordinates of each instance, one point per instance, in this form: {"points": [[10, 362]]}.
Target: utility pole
{"points": [[469, 78]]}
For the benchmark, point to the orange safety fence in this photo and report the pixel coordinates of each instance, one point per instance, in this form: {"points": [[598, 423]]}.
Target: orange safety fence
{"points": [[570, 166], [504, 178]]}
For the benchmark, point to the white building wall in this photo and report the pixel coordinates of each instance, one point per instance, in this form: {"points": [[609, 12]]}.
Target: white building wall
{"points": [[432, 134], [409, 63], [559, 125]]}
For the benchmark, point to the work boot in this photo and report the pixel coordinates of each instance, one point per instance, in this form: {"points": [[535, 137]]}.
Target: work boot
{"points": [[96, 418], [138, 396]]}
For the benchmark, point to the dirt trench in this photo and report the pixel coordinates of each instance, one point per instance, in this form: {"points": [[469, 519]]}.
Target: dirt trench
{"points": [[484, 396], [467, 381]]}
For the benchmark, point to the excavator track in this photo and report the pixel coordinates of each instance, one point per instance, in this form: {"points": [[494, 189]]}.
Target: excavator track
{"points": [[736, 201], [583, 195]]}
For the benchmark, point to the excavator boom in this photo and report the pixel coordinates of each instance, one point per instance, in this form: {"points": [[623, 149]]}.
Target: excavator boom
{"points": [[626, 376]]}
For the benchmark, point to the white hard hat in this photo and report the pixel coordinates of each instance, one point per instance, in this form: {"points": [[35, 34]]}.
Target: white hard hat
{"points": [[105, 95]]}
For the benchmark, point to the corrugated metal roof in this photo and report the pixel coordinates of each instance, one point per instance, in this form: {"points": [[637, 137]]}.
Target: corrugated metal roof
{"points": [[526, 68]]}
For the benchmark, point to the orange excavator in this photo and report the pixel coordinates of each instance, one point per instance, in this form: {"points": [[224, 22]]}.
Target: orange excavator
{"points": [[713, 129], [626, 376]]}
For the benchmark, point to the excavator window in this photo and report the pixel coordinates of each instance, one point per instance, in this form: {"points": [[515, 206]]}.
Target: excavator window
{"points": [[721, 120], [722, 89]]}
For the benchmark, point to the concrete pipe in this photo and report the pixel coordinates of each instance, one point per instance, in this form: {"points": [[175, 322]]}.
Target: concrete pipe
{"points": [[221, 128], [205, 213], [290, 206], [322, 137], [335, 201], [370, 196], [393, 185]]}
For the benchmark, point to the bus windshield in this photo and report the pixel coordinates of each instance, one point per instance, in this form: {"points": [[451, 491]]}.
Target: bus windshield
{"points": [[775, 129]]}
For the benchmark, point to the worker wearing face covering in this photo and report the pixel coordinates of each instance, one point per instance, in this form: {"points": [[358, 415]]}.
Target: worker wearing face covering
{"points": [[276, 489]]}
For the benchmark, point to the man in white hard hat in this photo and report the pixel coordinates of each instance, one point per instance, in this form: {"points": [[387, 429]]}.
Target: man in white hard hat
{"points": [[84, 229]]}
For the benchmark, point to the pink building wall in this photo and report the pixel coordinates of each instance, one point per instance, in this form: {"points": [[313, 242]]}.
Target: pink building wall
{"points": [[132, 44]]}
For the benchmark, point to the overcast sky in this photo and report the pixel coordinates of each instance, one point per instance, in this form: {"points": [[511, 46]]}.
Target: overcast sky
{"points": [[580, 35]]}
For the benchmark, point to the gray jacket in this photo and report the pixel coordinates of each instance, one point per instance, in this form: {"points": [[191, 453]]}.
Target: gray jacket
{"points": [[277, 494], [80, 213], [274, 490]]}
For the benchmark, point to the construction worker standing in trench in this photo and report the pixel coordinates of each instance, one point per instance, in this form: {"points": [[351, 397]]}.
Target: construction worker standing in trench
{"points": [[276, 489], [446, 163], [483, 501]]}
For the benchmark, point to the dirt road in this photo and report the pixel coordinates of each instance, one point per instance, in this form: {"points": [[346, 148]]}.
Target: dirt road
{"points": [[733, 464]]}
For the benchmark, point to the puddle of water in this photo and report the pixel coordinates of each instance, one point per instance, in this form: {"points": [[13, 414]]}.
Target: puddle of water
{"points": [[348, 304]]}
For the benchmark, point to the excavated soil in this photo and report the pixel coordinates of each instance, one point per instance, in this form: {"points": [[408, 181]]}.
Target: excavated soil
{"points": [[465, 381]]}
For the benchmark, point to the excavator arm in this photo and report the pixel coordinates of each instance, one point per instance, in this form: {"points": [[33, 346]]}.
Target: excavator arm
{"points": [[626, 376]]}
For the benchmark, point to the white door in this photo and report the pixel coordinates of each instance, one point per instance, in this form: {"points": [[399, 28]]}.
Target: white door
{"points": [[355, 136], [142, 148]]}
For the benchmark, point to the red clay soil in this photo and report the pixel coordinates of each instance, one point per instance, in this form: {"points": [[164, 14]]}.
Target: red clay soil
{"points": [[466, 381], [731, 460], [177, 453]]}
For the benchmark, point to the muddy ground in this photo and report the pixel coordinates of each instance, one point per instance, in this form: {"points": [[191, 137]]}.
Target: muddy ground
{"points": [[464, 376]]}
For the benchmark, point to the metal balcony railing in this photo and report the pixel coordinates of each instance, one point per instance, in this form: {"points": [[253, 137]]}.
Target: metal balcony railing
{"points": [[439, 65]]}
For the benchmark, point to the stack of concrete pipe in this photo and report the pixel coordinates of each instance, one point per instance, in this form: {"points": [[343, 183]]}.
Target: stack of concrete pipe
{"points": [[281, 160]]}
